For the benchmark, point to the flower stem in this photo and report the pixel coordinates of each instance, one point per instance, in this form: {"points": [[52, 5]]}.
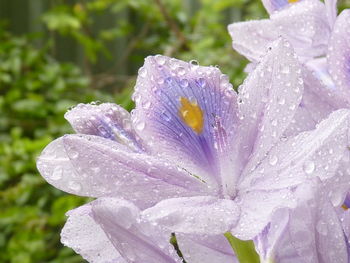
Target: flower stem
{"points": [[244, 250]]}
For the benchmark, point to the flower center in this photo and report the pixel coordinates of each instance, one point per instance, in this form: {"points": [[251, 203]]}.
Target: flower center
{"points": [[191, 115]]}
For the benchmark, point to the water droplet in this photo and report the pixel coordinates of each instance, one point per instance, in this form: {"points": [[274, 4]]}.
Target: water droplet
{"points": [[273, 160], [281, 101], [201, 82], [57, 173], [181, 71], [74, 186], [140, 125], [160, 59], [143, 72], [309, 167], [285, 69], [184, 83], [321, 228], [194, 62], [147, 105]]}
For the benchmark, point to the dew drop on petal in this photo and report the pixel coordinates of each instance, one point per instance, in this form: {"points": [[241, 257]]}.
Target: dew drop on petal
{"points": [[143, 72], [74, 186], [184, 83], [194, 62], [140, 125], [57, 173], [281, 101], [309, 167], [160, 59], [273, 160], [285, 69], [321, 228]]}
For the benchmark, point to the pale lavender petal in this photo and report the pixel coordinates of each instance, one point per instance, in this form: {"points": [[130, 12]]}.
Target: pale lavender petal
{"points": [[268, 100], [306, 155], [339, 54], [272, 236], [187, 113], [107, 120], [303, 24], [317, 103], [275, 5], [205, 249], [331, 9], [310, 232], [257, 208], [194, 215], [252, 38], [319, 67], [136, 241], [331, 93], [338, 186], [86, 237], [94, 166]]}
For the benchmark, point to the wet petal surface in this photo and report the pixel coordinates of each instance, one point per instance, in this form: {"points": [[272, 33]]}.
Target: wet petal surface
{"points": [[107, 120], [94, 166], [194, 215], [136, 241], [187, 113], [86, 237]]}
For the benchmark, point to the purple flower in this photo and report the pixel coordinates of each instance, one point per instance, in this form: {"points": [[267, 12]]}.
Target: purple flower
{"points": [[326, 79], [306, 24], [201, 159], [313, 231], [109, 230], [205, 248]]}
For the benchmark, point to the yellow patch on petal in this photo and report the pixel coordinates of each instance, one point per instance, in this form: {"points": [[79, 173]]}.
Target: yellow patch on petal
{"points": [[292, 1], [191, 114], [345, 207]]}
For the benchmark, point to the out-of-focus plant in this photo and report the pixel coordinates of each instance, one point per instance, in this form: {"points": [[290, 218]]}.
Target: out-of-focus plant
{"points": [[35, 91], [184, 29]]}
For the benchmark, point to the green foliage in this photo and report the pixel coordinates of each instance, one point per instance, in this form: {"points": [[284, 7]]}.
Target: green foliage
{"points": [[244, 250], [35, 91]]}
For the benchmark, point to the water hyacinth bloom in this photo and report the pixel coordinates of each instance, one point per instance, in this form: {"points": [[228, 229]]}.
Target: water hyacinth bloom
{"points": [[326, 78], [210, 160], [313, 231], [307, 24], [110, 230]]}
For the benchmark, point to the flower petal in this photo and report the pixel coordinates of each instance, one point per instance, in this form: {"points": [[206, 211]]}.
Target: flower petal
{"points": [[136, 241], [194, 215], [94, 166], [85, 236], [252, 38], [268, 100], [319, 67], [308, 154], [304, 24], [331, 9], [317, 103], [339, 54], [107, 120], [256, 210], [205, 249], [310, 232], [275, 5], [187, 112]]}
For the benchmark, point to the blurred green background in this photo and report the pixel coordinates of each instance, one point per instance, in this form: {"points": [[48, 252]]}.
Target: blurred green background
{"points": [[55, 54]]}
